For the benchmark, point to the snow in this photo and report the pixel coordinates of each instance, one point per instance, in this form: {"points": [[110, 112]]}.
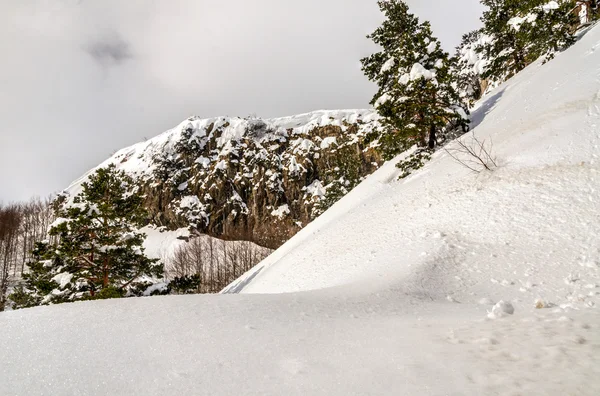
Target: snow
{"points": [[388, 65], [221, 165], [63, 279], [431, 47], [205, 162], [418, 71], [475, 61], [161, 243], [189, 202], [281, 211], [552, 5], [501, 309], [294, 168], [387, 292], [516, 22], [157, 287], [382, 99], [328, 141], [315, 189], [141, 160], [583, 14], [57, 222]]}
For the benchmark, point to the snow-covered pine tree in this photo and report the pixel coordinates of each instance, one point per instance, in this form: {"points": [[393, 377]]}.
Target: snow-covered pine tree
{"points": [[469, 67], [417, 93], [99, 253], [522, 31], [506, 49], [37, 285]]}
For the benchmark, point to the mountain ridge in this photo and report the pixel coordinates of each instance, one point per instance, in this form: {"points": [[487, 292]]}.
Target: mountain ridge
{"points": [[250, 178]]}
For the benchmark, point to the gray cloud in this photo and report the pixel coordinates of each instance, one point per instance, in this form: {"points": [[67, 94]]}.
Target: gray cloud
{"points": [[111, 50], [61, 114]]}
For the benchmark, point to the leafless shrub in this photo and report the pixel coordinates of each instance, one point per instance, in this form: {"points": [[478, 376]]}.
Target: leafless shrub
{"points": [[472, 153]]}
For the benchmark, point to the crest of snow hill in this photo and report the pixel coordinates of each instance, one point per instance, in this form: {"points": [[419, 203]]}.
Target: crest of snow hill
{"points": [[249, 178]]}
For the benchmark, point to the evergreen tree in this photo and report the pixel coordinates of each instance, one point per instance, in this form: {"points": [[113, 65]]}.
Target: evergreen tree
{"points": [[99, 253], [522, 31], [38, 283], [469, 67], [417, 93], [185, 284], [552, 29]]}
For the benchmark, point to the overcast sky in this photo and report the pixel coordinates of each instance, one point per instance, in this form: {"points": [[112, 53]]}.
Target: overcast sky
{"points": [[80, 79]]}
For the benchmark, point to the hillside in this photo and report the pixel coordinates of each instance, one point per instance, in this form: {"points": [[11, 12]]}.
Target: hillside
{"points": [[249, 178], [396, 289], [536, 216]]}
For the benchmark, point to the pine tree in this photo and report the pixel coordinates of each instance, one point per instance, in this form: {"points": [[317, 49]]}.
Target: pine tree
{"points": [[99, 253], [469, 67], [551, 30], [522, 31], [38, 283], [417, 93]]}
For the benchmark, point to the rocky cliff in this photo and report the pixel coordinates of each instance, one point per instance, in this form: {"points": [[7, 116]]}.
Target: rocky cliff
{"points": [[248, 178]]}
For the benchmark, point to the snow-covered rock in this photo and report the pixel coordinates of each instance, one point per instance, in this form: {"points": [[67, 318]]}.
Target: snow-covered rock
{"points": [[501, 309], [220, 175]]}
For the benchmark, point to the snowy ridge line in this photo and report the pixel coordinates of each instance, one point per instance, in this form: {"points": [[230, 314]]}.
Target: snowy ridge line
{"points": [[299, 124], [243, 175]]}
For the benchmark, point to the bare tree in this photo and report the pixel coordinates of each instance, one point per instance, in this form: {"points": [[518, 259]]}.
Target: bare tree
{"points": [[216, 262], [21, 226], [36, 217], [10, 221]]}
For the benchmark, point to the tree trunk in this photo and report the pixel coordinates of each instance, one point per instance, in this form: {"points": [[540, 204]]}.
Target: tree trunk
{"points": [[432, 139]]}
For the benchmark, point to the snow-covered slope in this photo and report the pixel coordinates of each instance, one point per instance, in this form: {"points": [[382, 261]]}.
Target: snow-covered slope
{"points": [[389, 291], [445, 230]]}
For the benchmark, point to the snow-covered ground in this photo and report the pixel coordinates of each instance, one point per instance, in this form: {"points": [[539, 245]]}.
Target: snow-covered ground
{"points": [[391, 291]]}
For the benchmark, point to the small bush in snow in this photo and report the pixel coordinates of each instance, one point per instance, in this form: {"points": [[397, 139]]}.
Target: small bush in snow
{"points": [[472, 153]]}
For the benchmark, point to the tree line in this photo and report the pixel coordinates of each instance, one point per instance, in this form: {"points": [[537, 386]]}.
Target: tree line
{"points": [[89, 246], [21, 226], [207, 265]]}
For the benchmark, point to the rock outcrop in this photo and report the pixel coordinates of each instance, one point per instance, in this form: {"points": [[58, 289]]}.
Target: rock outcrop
{"points": [[249, 178]]}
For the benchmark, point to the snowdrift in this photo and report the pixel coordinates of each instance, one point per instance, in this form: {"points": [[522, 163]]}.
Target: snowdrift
{"points": [[446, 283]]}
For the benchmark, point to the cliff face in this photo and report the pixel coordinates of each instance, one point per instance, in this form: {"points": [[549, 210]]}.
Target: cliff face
{"points": [[254, 179]]}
